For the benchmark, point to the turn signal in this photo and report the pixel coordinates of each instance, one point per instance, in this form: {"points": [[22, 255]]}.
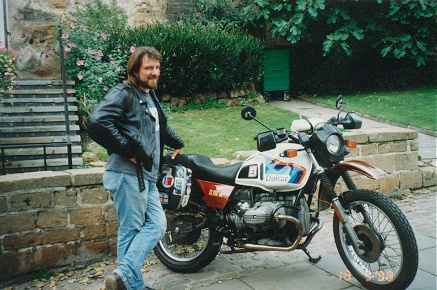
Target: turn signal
{"points": [[291, 153], [351, 143]]}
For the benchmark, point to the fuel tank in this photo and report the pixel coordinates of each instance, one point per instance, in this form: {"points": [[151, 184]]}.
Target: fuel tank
{"points": [[273, 170]]}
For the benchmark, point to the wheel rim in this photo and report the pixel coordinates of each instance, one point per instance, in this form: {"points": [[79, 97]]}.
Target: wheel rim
{"points": [[378, 269], [183, 252]]}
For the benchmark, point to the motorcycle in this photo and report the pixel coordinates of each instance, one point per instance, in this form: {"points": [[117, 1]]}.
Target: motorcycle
{"points": [[272, 202]]}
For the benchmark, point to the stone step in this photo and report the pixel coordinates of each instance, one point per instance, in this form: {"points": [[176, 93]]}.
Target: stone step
{"points": [[31, 93], [35, 151], [39, 140], [40, 109], [35, 115], [44, 84], [36, 118], [39, 163], [37, 129], [39, 99]]}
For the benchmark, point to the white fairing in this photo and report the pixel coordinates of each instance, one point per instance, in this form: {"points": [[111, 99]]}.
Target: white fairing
{"points": [[270, 170]]}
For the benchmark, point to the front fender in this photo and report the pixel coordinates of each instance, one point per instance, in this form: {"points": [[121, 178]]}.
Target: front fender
{"points": [[358, 166]]}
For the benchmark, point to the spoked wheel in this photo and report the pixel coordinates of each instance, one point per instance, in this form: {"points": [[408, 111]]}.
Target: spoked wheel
{"points": [[188, 244], [390, 256]]}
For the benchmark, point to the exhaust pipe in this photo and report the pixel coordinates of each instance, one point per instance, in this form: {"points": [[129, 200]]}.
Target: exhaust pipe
{"points": [[296, 243]]}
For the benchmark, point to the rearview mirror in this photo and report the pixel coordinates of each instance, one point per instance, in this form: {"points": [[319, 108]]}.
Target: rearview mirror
{"points": [[339, 102], [248, 113], [265, 141]]}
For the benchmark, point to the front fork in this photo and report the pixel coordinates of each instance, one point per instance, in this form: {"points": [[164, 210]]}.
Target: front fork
{"points": [[336, 204]]}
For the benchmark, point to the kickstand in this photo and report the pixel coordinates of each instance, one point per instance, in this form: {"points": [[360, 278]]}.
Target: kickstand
{"points": [[311, 259]]}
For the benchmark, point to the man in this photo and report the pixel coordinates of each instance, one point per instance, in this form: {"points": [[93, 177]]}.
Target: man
{"points": [[130, 123]]}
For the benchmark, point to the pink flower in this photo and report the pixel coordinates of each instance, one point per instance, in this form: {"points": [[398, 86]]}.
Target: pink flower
{"points": [[79, 62], [72, 44], [91, 51], [105, 88], [69, 92], [79, 77], [100, 80], [99, 53], [152, 21], [65, 36], [104, 36], [73, 26], [112, 62], [132, 49], [66, 49], [118, 68]]}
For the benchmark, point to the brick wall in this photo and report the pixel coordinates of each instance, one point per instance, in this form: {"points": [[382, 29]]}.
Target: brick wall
{"points": [[54, 219]]}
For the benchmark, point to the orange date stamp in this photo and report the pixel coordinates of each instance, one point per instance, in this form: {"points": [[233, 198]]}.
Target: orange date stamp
{"points": [[379, 275]]}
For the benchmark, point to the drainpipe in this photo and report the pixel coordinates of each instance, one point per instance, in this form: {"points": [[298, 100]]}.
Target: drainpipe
{"points": [[5, 33]]}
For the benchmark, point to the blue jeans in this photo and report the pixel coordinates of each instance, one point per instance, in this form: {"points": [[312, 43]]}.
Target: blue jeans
{"points": [[142, 224]]}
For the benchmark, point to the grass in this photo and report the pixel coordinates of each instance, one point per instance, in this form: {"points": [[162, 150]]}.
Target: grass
{"points": [[217, 133], [415, 107], [222, 132]]}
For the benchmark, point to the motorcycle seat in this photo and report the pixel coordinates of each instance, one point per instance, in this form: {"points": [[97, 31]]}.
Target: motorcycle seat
{"points": [[203, 168]]}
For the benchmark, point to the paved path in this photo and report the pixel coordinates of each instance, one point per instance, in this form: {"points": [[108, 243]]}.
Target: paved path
{"points": [[272, 270], [279, 270]]}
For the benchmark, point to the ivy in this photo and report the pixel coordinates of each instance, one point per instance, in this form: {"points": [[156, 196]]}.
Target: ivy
{"points": [[402, 29]]}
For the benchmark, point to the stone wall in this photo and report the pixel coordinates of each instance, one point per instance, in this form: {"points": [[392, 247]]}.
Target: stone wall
{"points": [[53, 219], [56, 219], [394, 150], [32, 27]]}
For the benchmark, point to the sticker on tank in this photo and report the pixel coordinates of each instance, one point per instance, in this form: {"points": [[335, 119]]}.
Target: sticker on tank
{"points": [[280, 171]]}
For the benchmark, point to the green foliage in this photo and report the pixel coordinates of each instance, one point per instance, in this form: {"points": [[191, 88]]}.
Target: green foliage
{"points": [[91, 57], [209, 103], [399, 28], [8, 69], [199, 58]]}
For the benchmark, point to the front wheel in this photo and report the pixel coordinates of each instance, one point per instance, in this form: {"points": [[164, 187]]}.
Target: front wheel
{"points": [[390, 259], [189, 243]]}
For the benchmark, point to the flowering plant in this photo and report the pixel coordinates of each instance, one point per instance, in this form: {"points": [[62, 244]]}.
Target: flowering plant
{"points": [[8, 69], [92, 60]]}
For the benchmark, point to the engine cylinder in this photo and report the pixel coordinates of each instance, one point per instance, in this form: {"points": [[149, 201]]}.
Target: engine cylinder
{"points": [[264, 217]]}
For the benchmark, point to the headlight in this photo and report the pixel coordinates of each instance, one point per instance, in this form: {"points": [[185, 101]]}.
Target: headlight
{"points": [[328, 144], [333, 144]]}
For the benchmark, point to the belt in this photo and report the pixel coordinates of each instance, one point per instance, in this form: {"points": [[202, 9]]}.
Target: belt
{"points": [[140, 177]]}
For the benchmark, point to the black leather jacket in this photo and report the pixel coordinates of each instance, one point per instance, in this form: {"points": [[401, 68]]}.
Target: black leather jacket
{"points": [[116, 123]]}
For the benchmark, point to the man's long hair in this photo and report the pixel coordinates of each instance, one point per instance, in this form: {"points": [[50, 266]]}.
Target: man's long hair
{"points": [[135, 61]]}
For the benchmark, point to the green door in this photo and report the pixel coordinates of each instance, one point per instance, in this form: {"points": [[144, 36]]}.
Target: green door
{"points": [[276, 70]]}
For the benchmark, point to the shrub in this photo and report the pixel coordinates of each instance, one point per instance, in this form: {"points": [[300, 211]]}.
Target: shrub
{"points": [[91, 59], [199, 59], [8, 69]]}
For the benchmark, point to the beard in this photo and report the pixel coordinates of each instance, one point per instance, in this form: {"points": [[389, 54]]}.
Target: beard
{"points": [[148, 83]]}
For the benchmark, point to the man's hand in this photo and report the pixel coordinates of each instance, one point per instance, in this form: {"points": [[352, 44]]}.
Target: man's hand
{"points": [[175, 153]]}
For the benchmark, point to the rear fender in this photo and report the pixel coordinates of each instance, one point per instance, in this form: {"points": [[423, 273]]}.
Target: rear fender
{"points": [[358, 166]]}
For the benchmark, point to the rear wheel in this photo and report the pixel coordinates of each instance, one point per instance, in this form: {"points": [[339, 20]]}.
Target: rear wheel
{"points": [[390, 258], [189, 244]]}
